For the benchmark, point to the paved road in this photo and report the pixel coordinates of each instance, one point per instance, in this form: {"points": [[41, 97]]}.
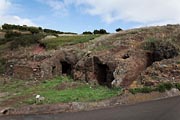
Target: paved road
{"points": [[167, 109]]}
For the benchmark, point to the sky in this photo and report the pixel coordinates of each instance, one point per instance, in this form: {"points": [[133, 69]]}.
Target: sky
{"points": [[86, 15]]}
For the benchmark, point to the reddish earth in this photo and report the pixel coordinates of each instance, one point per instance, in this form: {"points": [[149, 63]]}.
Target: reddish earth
{"points": [[38, 49]]}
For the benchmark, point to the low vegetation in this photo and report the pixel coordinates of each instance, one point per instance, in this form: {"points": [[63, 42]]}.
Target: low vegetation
{"points": [[31, 29], [160, 88], [53, 92], [25, 40], [161, 49], [16, 39], [101, 31], [67, 40], [141, 90], [2, 65]]}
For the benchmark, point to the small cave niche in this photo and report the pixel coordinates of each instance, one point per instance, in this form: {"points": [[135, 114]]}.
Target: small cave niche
{"points": [[150, 59], [125, 56], [53, 70], [104, 75], [66, 68]]}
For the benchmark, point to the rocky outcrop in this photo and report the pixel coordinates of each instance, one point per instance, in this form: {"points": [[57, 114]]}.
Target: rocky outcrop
{"points": [[42, 67], [162, 71], [113, 60], [129, 69]]}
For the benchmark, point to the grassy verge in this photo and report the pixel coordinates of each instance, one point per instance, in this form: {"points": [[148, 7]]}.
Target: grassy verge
{"points": [[49, 90], [160, 88], [67, 40]]}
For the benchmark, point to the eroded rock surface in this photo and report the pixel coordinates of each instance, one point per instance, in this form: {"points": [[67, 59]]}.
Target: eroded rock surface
{"points": [[113, 60]]}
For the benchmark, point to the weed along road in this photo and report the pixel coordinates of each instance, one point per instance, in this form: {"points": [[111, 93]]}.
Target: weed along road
{"points": [[166, 109]]}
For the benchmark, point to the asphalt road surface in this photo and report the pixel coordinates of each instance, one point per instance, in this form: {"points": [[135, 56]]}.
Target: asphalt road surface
{"points": [[167, 109]]}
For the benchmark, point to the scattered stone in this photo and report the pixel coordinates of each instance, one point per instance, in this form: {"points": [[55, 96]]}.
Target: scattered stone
{"points": [[6, 111], [173, 92], [39, 98], [78, 106], [116, 83]]}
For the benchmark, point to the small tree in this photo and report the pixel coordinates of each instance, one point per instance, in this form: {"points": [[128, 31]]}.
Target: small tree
{"points": [[101, 31], [96, 32], [87, 32], [118, 29]]}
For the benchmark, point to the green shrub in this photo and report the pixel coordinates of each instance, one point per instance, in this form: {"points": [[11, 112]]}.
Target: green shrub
{"points": [[168, 86], [52, 31], [119, 29], [101, 31], [87, 33], [150, 44], [33, 30], [10, 34], [141, 90], [164, 86], [146, 90], [25, 40], [177, 85], [161, 88], [160, 49]]}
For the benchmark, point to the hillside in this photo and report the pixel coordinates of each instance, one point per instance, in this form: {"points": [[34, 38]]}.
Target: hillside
{"points": [[140, 60]]}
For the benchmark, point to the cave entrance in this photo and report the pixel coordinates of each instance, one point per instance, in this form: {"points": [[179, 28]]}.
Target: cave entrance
{"points": [[104, 75], [66, 68], [53, 70]]}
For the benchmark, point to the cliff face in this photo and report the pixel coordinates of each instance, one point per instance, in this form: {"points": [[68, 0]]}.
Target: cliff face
{"points": [[114, 60]]}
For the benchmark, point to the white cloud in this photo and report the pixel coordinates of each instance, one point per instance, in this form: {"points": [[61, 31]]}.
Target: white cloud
{"points": [[16, 20], [140, 11], [59, 7], [5, 7]]}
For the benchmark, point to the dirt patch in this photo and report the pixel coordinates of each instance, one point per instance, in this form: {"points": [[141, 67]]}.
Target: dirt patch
{"points": [[4, 94], [14, 100]]}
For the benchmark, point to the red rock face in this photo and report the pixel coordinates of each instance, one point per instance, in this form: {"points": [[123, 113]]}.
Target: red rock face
{"points": [[115, 58], [129, 69]]}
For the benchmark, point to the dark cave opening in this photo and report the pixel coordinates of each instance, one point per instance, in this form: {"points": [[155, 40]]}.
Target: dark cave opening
{"points": [[66, 68], [104, 75], [53, 70]]}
